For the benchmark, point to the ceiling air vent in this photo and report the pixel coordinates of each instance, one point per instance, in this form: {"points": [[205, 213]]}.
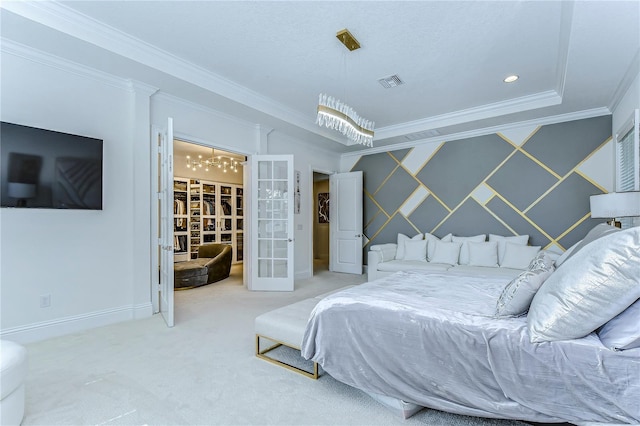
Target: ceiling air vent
{"points": [[422, 135], [391, 81]]}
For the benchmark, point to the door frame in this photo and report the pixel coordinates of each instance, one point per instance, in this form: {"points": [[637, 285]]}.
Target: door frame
{"points": [[166, 286], [312, 213], [155, 176]]}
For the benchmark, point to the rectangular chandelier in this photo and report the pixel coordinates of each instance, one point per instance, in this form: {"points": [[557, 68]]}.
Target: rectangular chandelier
{"points": [[334, 114]]}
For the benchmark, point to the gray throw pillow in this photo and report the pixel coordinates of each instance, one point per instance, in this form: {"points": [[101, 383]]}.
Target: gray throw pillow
{"points": [[518, 294], [597, 283], [542, 261]]}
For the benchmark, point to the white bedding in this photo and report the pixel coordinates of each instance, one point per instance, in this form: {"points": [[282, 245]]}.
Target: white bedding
{"points": [[431, 339]]}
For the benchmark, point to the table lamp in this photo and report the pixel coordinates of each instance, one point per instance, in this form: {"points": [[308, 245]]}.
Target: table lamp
{"points": [[21, 191], [615, 205]]}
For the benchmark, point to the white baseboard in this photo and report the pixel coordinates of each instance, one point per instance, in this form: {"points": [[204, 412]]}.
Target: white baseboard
{"points": [[144, 310], [302, 275], [67, 325]]}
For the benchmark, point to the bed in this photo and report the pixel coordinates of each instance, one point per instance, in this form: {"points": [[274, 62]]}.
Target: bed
{"points": [[435, 339]]}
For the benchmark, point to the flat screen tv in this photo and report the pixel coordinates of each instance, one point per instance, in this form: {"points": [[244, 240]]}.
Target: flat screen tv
{"points": [[46, 169]]}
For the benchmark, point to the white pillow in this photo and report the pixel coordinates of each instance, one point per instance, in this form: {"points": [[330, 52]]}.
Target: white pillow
{"points": [[415, 250], [446, 252], [517, 256], [483, 254], [401, 239], [516, 239], [464, 250], [447, 238], [387, 251], [592, 287], [431, 239], [623, 331]]}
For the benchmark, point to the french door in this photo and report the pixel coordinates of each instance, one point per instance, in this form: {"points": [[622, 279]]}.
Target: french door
{"points": [[164, 144], [271, 226]]}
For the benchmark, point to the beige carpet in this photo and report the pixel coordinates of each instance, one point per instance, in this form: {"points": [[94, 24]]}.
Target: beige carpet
{"points": [[201, 372]]}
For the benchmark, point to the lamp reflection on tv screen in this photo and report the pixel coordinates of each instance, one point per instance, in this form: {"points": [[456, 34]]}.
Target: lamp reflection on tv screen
{"points": [[48, 169]]}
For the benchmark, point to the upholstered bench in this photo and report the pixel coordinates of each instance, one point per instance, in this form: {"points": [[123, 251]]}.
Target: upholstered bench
{"points": [[285, 326], [192, 273], [13, 371]]}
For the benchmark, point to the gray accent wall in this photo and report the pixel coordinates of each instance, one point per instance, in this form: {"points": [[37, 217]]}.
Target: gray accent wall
{"points": [[533, 182]]}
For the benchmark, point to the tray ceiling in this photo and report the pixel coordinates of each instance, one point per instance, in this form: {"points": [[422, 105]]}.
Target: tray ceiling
{"points": [[268, 61]]}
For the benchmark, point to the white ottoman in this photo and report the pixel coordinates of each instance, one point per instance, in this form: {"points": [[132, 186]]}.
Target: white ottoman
{"points": [[13, 371], [285, 326]]}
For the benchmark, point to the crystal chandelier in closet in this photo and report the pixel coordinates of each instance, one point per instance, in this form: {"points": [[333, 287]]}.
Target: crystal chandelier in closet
{"points": [[215, 161]]}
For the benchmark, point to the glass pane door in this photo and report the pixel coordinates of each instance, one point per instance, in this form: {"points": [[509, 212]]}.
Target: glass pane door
{"points": [[273, 223]]}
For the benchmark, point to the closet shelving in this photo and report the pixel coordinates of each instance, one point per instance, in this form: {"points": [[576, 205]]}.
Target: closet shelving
{"points": [[209, 218], [239, 209], [195, 222], [215, 213], [180, 220]]}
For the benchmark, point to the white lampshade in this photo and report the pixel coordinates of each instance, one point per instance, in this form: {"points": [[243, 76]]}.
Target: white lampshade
{"points": [[21, 190], [615, 204]]}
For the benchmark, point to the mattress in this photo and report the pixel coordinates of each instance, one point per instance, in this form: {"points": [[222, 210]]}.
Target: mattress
{"points": [[431, 339]]}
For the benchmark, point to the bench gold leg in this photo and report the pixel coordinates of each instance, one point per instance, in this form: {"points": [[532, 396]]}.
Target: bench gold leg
{"points": [[261, 354]]}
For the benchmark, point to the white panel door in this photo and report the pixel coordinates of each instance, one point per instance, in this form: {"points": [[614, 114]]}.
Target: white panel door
{"points": [[271, 229], [345, 215], [165, 228]]}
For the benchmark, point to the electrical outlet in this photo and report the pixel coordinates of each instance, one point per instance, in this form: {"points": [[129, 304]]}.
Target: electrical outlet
{"points": [[45, 300]]}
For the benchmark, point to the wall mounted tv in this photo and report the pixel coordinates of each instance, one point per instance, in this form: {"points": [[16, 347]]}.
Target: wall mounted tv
{"points": [[46, 169]]}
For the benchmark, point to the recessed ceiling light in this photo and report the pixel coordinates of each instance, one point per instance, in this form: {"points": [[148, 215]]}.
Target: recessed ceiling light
{"points": [[511, 78]]}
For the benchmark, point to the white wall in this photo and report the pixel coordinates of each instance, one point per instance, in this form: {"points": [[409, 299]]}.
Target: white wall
{"points": [[629, 102], [205, 126], [97, 265], [307, 158], [87, 261]]}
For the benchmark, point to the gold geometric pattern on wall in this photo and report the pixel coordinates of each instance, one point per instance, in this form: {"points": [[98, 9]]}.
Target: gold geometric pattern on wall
{"points": [[531, 180]]}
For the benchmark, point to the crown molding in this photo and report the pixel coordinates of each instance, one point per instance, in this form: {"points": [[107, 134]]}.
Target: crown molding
{"points": [[141, 88], [561, 118], [73, 23], [564, 39], [629, 76], [66, 20], [10, 47], [524, 103]]}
